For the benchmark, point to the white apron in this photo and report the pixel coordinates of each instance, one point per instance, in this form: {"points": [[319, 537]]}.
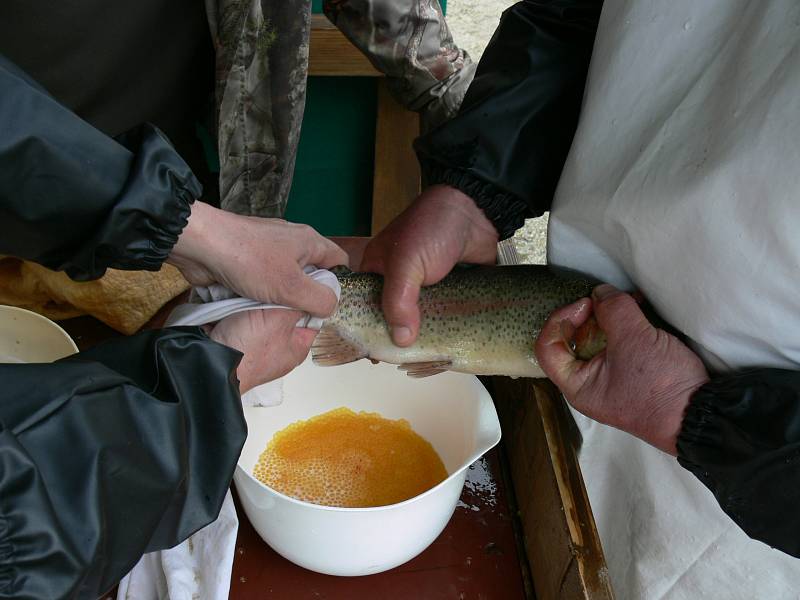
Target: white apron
{"points": [[684, 182]]}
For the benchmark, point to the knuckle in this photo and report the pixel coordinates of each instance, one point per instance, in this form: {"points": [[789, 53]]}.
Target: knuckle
{"points": [[619, 304], [306, 230], [285, 287]]}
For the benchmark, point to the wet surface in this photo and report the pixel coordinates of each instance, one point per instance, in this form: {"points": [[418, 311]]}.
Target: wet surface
{"points": [[475, 557], [480, 487]]}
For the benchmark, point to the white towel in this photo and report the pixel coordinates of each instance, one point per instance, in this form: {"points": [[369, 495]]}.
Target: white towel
{"points": [[213, 303], [200, 567]]}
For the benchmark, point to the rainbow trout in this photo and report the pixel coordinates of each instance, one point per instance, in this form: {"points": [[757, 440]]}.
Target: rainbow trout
{"points": [[479, 320]]}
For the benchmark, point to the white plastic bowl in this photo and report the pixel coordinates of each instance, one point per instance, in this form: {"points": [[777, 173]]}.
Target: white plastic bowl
{"points": [[454, 412], [28, 337]]}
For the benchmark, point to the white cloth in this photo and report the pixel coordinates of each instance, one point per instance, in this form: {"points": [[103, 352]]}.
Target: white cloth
{"points": [[215, 302], [200, 567], [683, 182]]}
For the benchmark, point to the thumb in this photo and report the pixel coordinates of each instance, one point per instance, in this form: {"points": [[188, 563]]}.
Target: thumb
{"points": [[372, 258], [401, 285], [618, 314], [303, 293]]}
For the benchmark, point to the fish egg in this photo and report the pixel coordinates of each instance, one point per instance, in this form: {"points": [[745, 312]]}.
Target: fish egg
{"points": [[348, 459]]}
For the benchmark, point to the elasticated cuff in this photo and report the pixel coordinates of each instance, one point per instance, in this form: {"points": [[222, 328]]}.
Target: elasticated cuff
{"points": [[504, 210], [741, 438], [153, 209]]}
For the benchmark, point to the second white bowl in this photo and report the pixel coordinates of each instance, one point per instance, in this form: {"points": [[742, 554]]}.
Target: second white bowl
{"points": [[28, 337]]}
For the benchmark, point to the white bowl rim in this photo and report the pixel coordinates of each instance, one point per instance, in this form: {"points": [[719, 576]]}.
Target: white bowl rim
{"points": [[68, 337], [475, 456]]}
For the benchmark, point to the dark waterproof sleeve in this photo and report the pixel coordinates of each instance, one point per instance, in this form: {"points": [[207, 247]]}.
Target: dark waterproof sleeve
{"points": [[741, 438], [126, 448], [507, 145], [73, 199]]}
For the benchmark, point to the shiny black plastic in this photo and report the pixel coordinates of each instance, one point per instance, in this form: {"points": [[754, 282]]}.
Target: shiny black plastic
{"points": [[126, 448], [741, 438], [74, 199], [130, 446], [507, 145]]}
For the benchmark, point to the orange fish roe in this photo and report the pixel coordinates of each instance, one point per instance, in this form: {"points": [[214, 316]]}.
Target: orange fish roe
{"points": [[348, 459]]}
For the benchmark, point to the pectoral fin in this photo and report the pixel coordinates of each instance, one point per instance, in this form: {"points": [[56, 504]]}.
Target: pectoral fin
{"points": [[425, 369], [330, 349]]}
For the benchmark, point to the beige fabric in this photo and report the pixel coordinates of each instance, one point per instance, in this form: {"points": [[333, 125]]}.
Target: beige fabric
{"points": [[124, 300]]}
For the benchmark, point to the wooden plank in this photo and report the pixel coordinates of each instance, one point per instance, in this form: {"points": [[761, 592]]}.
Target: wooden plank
{"points": [[330, 53], [320, 21], [564, 549], [396, 180]]}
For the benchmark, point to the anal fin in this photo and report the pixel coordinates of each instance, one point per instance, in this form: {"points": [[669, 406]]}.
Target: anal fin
{"points": [[425, 369], [330, 349]]}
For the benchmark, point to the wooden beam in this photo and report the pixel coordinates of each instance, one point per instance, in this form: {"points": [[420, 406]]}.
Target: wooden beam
{"points": [[397, 176], [560, 537], [330, 53]]}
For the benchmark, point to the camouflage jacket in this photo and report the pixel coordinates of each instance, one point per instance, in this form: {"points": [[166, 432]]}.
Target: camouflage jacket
{"points": [[261, 67]]}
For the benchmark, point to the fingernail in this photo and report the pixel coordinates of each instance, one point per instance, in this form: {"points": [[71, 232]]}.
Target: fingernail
{"points": [[401, 335], [603, 291]]}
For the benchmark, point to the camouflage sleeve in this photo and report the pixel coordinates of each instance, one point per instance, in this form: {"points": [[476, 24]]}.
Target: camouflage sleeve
{"points": [[262, 62], [409, 41]]}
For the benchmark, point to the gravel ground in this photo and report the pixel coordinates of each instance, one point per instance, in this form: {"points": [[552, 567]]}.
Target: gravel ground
{"points": [[473, 22]]}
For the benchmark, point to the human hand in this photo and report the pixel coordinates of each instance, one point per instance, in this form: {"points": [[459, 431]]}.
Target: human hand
{"points": [[354, 246], [271, 343], [643, 380], [440, 229], [261, 259]]}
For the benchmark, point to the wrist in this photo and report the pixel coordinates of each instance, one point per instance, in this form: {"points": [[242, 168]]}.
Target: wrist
{"points": [[480, 235], [664, 424], [197, 251], [245, 382], [503, 209], [242, 372], [193, 240]]}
